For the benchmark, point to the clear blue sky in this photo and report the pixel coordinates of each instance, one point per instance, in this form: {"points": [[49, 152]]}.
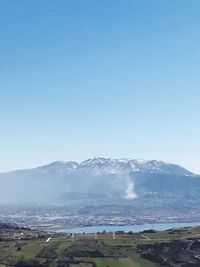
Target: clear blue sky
{"points": [[111, 78]]}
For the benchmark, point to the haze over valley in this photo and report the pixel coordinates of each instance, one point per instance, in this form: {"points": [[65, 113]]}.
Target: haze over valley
{"points": [[99, 179], [101, 191]]}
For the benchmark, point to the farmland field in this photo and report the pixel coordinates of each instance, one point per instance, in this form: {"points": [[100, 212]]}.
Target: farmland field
{"points": [[90, 250]]}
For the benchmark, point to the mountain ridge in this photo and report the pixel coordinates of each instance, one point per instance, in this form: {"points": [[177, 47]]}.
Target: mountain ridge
{"points": [[135, 165], [97, 178]]}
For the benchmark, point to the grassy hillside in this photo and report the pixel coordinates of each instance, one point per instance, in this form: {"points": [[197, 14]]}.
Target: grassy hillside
{"points": [[88, 250]]}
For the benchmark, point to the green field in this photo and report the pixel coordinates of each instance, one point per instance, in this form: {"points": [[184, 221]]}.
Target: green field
{"points": [[10, 254], [87, 250], [128, 262]]}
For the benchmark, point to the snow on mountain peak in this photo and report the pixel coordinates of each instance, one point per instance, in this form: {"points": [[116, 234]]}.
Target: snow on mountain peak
{"points": [[132, 165], [101, 165]]}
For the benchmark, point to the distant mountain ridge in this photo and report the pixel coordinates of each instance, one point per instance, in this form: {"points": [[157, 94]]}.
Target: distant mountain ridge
{"points": [[100, 179], [116, 165]]}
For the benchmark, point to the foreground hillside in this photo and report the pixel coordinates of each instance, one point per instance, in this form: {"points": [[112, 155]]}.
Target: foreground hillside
{"points": [[146, 249]]}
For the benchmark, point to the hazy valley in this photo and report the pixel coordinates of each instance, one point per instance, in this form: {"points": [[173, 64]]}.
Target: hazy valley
{"points": [[100, 191]]}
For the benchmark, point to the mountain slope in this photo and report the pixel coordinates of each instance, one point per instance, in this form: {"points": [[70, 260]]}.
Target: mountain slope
{"points": [[99, 179]]}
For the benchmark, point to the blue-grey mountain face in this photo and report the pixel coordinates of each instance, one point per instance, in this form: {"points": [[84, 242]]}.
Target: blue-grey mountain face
{"points": [[99, 179]]}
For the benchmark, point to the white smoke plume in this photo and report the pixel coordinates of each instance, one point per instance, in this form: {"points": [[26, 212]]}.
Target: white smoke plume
{"points": [[130, 193]]}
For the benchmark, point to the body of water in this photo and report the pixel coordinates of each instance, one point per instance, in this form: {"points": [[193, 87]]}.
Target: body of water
{"points": [[127, 228]]}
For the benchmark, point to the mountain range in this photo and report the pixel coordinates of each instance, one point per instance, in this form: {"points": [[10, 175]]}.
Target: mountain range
{"points": [[100, 179]]}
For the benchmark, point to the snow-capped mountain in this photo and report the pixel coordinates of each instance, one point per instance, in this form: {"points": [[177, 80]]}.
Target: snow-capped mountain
{"points": [[97, 178], [132, 165], [108, 165]]}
